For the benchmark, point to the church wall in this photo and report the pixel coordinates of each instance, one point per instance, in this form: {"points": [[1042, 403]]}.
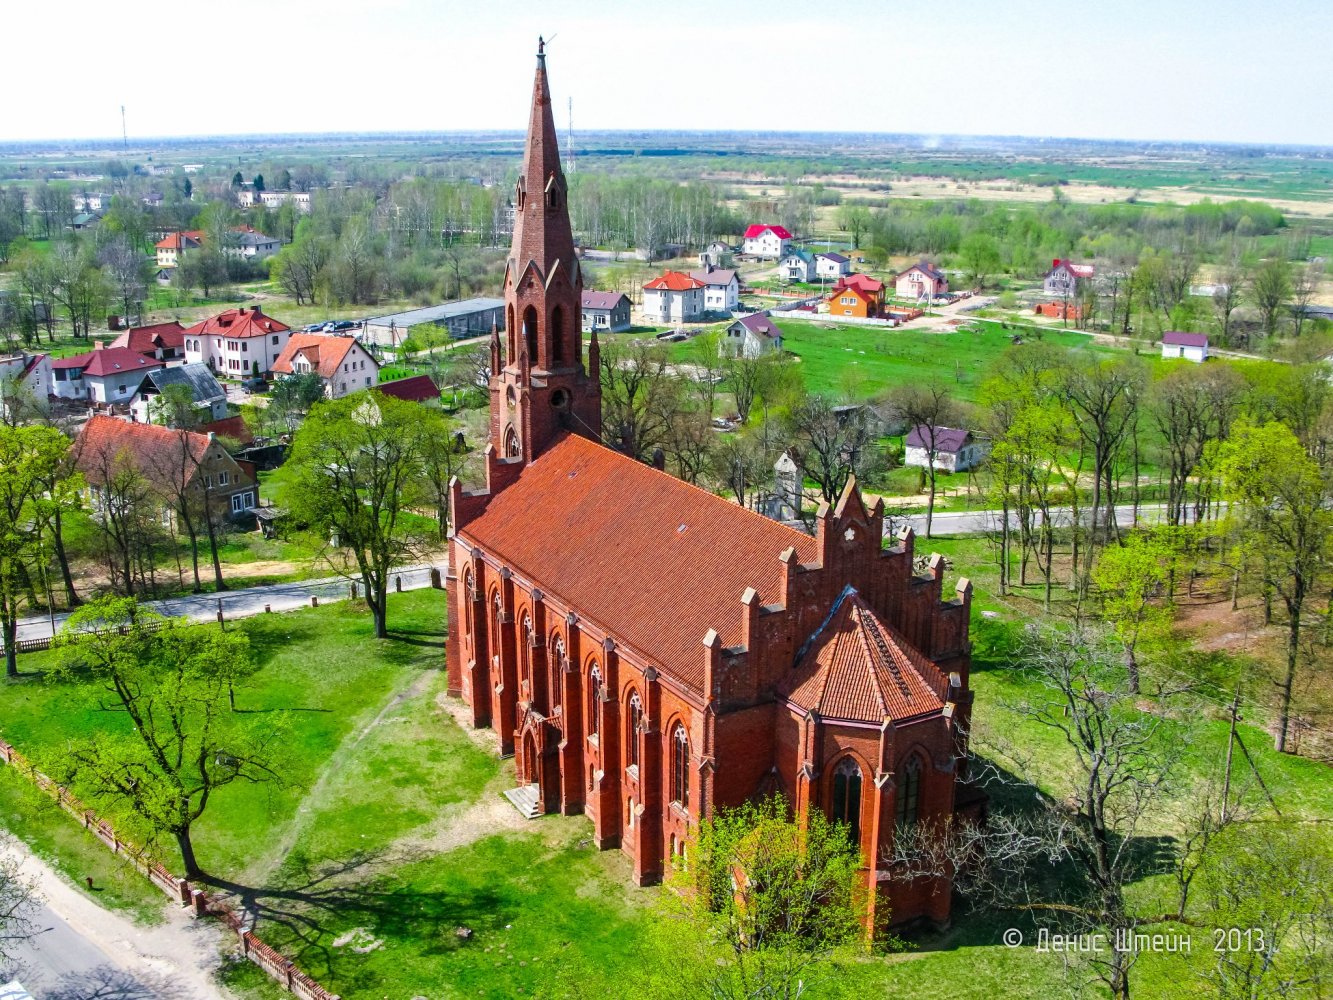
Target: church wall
{"points": [[745, 753]]}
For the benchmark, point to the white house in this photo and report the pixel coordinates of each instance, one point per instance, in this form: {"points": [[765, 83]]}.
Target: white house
{"points": [[276, 199], [105, 376], [769, 242], [716, 254], [24, 377], [797, 265], [342, 364], [722, 289], [1065, 276], [753, 335], [832, 265], [210, 399], [251, 244], [952, 449], [1190, 346], [673, 298], [237, 343]]}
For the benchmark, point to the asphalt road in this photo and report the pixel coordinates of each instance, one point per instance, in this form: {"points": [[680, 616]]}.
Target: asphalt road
{"points": [[243, 603], [60, 963], [976, 522]]}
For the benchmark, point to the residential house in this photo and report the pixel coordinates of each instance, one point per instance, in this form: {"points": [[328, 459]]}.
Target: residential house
{"points": [[170, 248], [716, 254], [85, 220], [153, 199], [161, 341], [210, 399], [104, 376], [605, 312], [722, 289], [237, 342], [95, 202], [797, 265], [753, 335], [343, 365], [1190, 346], [462, 319], [858, 296], [921, 279], [172, 462], [673, 298], [1065, 276], [830, 264], [768, 242], [300, 200], [250, 244], [24, 378], [415, 389], [951, 449]]}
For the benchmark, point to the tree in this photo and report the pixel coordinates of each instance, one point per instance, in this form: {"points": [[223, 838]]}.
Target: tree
{"points": [[258, 182], [1191, 406], [299, 265], [853, 220], [175, 682], [835, 445], [237, 181], [767, 902], [18, 899], [445, 457], [292, 396], [1227, 295], [929, 408], [79, 285], [29, 457], [1133, 580], [641, 395], [1281, 499], [357, 473], [979, 254], [740, 464], [1270, 287], [708, 354], [126, 270], [1304, 284]]}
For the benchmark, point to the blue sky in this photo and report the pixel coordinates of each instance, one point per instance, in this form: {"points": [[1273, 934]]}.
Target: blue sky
{"points": [[1225, 70]]}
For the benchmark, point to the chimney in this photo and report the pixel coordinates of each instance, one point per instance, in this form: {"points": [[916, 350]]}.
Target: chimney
{"points": [[212, 436], [99, 345], [1055, 262]]}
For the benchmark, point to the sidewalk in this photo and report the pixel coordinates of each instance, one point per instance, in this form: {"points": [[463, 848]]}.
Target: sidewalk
{"points": [[245, 602]]}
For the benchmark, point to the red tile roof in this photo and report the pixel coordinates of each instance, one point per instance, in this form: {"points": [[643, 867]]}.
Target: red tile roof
{"points": [[155, 451], [674, 281], [647, 557], [238, 323], [109, 361], [860, 282], [416, 389], [230, 427], [858, 669], [758, 230], [181, 241], [147, 339], [325, 353], [1077, 270]]}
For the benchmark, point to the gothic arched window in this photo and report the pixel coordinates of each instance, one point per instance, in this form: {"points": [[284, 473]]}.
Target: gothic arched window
{"points": [[633, 719], [495, 631], [847, 797], [558, 663], [512, 449], [530, 333], [680, 766], [525, 651], [909, 791], [557, 335], [468, 624], [594, 696]]}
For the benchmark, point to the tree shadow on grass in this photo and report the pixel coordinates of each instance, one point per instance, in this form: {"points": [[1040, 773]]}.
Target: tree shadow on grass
{"points": [[316, 904], [270, 639]]}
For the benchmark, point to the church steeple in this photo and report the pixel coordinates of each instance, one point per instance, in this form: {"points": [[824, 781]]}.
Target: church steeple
{"points": [[543, 386]]}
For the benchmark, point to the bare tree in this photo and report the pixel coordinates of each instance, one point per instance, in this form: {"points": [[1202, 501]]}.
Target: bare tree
{"points": [[1304, 283], [1270, 286], [929, 409], [18, 899], [835, 443], [640, 398], [124, 268]]}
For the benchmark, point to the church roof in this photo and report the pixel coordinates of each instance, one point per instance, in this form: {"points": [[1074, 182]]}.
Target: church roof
{"points": [[858, 669], [650, 559]]}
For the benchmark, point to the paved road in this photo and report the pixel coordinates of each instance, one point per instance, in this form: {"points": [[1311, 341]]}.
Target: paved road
{"points": [[243, 603], [976, 522], [60, 963]]}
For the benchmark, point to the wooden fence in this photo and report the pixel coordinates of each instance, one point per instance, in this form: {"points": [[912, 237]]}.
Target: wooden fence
{"points": [[279, 968]]}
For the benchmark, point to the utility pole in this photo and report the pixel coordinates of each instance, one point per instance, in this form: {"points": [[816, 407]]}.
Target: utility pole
{"points": [[1231, 745], [570, 143], [124, 132]]}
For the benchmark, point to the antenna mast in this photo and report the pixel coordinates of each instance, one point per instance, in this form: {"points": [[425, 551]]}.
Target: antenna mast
{"points": [[570, 144], [124, 133]]}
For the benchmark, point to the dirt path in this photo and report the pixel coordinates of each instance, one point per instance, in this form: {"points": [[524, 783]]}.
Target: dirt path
{"points": [[181, 952]]}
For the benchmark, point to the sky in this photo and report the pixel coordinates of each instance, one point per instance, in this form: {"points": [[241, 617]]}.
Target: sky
{"points": [[1188, 70]]}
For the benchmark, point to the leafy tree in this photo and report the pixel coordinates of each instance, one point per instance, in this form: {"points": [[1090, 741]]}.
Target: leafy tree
{"points": [[1133, 579], [258, 182], [767, 903], [237, 181], [1270, 287], [29, 458], [292, 396], [641, 395], [358, 471], [445, 456], [1281, 499], [175, 683], [980, 257]]}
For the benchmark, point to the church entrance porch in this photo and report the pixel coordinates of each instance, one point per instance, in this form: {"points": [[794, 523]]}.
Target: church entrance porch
{"points": [[526, 799], [536, 765]]}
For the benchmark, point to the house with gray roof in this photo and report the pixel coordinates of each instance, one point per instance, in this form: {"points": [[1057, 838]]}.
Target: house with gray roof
{"points": [[831, 264], [799, 265], [462, 319], [949, 449], [753, 335], [605, 312], [210, 399], [722, 288]]}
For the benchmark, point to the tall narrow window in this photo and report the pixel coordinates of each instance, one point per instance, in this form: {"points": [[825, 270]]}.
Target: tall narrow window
{"points": [[558, 335], [468, 623], [530, 333], [909, 791], [847, 797], [594, 697], [559, 661], [633, 719], [680, 767], [525, 654]]}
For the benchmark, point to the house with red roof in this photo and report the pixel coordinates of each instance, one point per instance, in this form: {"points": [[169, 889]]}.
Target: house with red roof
{"points": [[921, 279], [1190, 346], [857, 295], [1065, 276], [674, 297], [342, 364], [414, 389], [170, 248], [237, 343], [649, 653], [104, 376], [160, 341], [768, 242]]}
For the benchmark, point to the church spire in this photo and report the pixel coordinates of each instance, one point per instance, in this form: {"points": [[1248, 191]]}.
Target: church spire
{"points": [[541, 223]]}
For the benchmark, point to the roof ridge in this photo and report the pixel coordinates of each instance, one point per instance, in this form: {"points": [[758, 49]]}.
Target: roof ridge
{"points": [[858, 610]]}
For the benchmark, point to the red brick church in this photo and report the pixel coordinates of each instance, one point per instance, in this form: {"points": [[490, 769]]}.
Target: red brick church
{"points": [[649, 651]]}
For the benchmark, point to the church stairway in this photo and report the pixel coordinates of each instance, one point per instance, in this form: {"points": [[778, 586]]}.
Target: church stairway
{"points": [[526, 799]]}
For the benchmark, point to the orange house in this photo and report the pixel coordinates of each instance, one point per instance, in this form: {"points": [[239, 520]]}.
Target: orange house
{"points": [[857, 295]]}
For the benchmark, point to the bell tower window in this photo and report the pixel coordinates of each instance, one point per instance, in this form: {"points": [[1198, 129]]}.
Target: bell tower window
{"points": [[558, 335], [530, 333]]}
